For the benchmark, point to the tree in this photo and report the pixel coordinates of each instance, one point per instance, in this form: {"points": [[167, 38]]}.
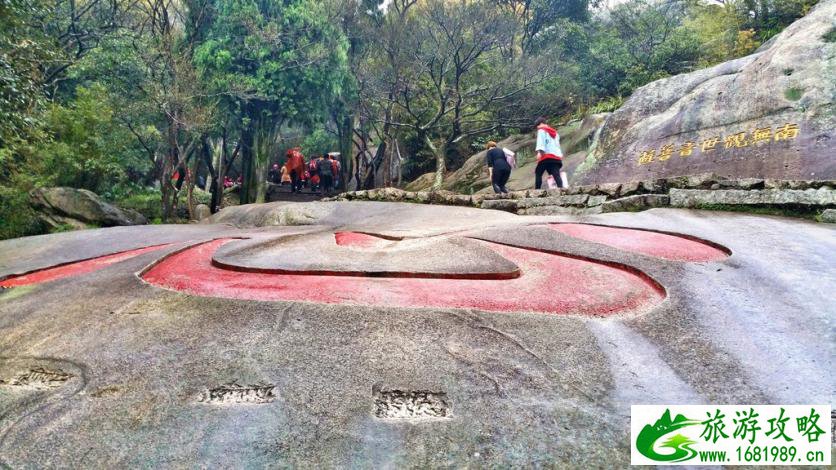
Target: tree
{"points": [[457, 80], [274, 63]]}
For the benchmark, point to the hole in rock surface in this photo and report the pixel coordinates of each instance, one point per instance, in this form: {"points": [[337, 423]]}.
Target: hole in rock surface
{"points": [[397, 404]]}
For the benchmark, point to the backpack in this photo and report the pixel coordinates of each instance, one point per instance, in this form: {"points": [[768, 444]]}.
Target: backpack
{"points": [[510, 157], [324, 167]]}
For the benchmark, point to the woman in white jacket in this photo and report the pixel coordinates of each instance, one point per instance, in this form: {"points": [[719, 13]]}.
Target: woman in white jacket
{"points": [[549, 154]]}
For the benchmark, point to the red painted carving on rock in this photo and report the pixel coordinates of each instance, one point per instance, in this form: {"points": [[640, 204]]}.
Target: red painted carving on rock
{"points": [[549, 284]]}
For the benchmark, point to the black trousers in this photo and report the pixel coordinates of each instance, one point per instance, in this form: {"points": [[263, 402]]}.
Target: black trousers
{"points": [[296, 180], [499, 178], [551, 166], [327, 183]]}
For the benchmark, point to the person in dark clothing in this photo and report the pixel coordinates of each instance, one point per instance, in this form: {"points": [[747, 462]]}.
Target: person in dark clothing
{"points": [[274, 175], [325, 168], [498, 167]]}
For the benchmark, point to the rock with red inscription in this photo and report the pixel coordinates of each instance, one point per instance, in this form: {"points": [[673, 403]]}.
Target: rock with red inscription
{"points": [[767, 115]]}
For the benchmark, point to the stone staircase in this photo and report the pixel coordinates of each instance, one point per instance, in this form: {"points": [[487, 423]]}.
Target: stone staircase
{"points": [[705, 191]]}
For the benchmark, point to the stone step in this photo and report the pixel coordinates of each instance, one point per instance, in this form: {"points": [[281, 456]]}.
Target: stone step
{"points": [[695, 198], [574, 200], [559, 210], [636, 202]]}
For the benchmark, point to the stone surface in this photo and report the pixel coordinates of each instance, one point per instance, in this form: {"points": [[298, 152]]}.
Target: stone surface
{"points": [[790, 81], [829, 216], [636, 202], [766, 197], [577, 200], [112, 371], [559, 210], [338, 256], [80, 207], [510, 205], [202, 211]]}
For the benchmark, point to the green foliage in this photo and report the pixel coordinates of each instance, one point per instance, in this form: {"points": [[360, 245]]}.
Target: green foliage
{"points": [[62, 228], [793, 94], [769, 17], [318, 142], [254, 51], [607, 105], [147, 201], [23, 53], [88, 149], [112, 98], [17, 219]]}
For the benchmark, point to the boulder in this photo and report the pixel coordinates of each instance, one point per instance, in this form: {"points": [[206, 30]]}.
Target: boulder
{"points": [[767, 115], [202, 211], [423, 182], [79, 208], [829, 216]]}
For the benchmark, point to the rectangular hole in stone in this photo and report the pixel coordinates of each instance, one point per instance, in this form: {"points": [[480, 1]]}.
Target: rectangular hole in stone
{"points": [[233, 393], [398, 404], [40, 377]]}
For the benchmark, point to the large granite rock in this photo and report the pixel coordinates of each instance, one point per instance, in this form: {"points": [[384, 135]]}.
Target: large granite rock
{"points": [[80, 208], [771, 113], [104, 368]]}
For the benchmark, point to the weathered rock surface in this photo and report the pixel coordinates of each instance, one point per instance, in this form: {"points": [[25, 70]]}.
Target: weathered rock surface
{"points": [[80, 208], [829, 216], [771, 113], [118, 372], [692, 198], [202, 211]]}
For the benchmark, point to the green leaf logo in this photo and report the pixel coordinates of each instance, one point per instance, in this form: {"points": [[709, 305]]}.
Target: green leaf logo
{"points": [[681, 445]]}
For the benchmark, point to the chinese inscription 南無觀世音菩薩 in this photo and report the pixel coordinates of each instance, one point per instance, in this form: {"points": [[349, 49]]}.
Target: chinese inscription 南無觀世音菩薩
{"points": [[741, 139]]}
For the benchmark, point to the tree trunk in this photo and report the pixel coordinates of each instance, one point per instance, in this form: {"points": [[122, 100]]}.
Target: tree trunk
{"points": [[167, 188], [247, 190], [345, 129], [191, 180], [440, 162], [397, 151], [217, 188]]}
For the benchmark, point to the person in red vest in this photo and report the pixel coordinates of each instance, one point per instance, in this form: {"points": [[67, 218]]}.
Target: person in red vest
{"points": [[296, 167], [549, 154], [314, 175]]}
